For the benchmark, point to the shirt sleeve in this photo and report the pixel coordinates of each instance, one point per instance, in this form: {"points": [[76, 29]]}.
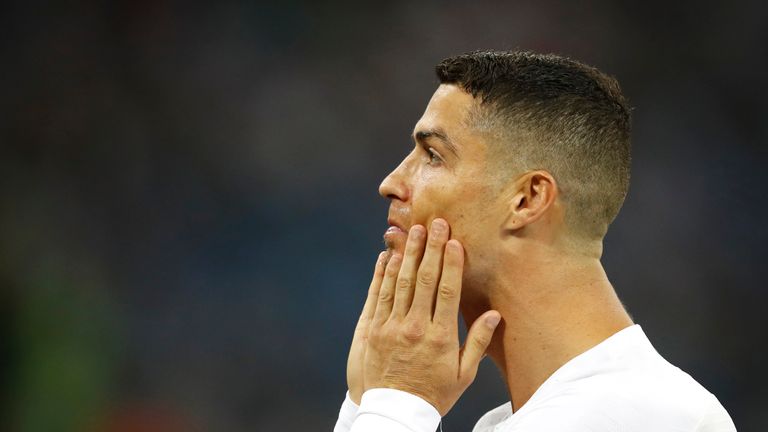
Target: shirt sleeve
{"points": [[716, 419], [347, 415], [390, 410]]}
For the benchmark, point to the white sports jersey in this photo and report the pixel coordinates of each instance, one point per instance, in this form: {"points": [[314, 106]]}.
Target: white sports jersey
{"points": [[619, 385]]}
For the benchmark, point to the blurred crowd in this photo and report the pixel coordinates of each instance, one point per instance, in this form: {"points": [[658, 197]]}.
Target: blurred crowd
{"points": [[190, 212]]}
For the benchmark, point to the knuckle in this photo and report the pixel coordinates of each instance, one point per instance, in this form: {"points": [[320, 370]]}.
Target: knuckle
{"points": [[386, 296], [404, 284], [426, 278], [481, 341], [440, 338], [447, 292], [413, 331]]}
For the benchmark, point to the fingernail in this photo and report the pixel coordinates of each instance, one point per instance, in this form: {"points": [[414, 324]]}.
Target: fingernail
{"points": [[417, 231], [454, 244], [438, 225], [492, 321]]}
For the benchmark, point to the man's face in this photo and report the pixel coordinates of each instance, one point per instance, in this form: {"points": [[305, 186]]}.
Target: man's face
{"points": [[445, 175]]}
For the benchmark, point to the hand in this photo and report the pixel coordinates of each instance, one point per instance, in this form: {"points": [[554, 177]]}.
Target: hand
{"points": [[413, 336], [360, 338]]}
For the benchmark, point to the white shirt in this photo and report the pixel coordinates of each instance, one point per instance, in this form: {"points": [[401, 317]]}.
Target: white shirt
{"points": [[621, 385]]}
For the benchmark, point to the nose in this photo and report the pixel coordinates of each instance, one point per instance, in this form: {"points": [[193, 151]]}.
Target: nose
{"points": [[394, 186]]}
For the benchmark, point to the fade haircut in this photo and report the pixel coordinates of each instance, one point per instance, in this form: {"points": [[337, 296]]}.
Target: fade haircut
{"points": [[555, 114]]}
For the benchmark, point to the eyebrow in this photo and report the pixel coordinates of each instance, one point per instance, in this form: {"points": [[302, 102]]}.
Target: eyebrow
{"points": [[423, 135]]}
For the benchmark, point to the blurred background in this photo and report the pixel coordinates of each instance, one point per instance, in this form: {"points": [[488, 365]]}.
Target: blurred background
{"points": [[190, 209]]}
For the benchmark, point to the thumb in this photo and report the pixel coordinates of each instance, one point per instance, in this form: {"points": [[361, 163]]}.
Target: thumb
{"points": [[478, 339]]}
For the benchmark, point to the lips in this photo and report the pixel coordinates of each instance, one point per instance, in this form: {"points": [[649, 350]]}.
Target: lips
{"points": [[395, 236], [394, 230]]}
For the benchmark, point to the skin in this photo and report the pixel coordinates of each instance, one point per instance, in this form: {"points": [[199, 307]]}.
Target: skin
{"points": [[510, 256]]}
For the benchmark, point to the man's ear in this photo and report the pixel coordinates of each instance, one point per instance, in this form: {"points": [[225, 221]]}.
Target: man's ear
{"points": [[533, 195]]}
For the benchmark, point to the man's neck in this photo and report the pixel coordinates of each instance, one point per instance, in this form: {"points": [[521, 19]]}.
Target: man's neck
{"points": [[554, 308]]}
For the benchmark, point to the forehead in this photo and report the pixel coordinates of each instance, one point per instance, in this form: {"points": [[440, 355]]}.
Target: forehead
{"points": [[448, 111]]}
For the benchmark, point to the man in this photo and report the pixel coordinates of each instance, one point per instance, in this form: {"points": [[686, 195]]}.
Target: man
{"points": [[521, 162]]}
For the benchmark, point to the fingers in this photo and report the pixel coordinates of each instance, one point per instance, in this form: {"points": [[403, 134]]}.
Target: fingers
{"points": [[449, 289], [410, 282], [373, 290], [387, 291], [407, 276], [430, 270], [478, 339]]}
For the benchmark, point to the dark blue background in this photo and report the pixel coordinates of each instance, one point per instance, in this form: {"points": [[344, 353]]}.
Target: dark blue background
{"points": [[190, 209]]}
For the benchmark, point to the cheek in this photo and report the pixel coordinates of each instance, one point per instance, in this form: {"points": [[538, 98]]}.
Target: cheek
{"points": [[471, 217], [465, 206], [431, 199], [459, 207]]}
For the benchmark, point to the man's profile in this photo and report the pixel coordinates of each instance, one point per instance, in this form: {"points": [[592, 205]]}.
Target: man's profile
{"points": [[521, 162]]}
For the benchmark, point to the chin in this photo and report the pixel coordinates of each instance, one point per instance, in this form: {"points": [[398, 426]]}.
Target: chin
{"points": [[395, 242]]}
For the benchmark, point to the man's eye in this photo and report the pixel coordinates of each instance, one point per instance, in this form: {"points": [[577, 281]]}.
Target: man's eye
{"points": [[434, 157]]}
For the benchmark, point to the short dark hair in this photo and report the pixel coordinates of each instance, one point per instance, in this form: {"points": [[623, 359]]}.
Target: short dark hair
{"points": [[558, 115]]}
